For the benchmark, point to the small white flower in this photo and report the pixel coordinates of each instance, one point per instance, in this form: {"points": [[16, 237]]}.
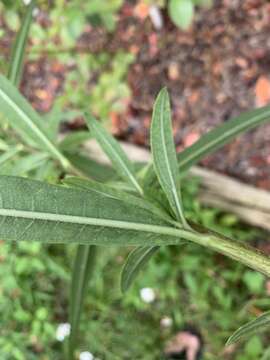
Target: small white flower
{"points": [[26, 2], [35, 12], [147, 295], [86, 355], [62, 331], [166, 321]]}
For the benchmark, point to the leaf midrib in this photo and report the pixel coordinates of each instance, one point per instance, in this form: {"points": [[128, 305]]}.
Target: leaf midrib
{"points": [[162, 132], [34, 215]]}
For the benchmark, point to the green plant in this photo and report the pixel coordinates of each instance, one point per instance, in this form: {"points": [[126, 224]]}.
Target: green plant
{"points": [[91, 81], [182, 11], [107, 216], [137, 207]]}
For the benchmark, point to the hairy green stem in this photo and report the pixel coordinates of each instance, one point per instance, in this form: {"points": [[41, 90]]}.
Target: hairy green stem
{"points": [[233, 249]]}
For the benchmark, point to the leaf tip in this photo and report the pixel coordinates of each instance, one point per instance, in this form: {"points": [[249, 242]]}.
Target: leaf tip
{"points": [[229, 342], [163, 92], [123, 285]]}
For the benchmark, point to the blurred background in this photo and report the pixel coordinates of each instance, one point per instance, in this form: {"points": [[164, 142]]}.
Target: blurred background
{"points": [[112, 57]]}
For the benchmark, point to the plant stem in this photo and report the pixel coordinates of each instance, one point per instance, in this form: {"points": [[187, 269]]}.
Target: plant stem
{"points": [[235, 250]]}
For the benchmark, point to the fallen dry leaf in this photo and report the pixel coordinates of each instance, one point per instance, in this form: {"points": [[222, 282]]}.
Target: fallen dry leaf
{"points": [[262, 91], [191, 138], [141, 10]]}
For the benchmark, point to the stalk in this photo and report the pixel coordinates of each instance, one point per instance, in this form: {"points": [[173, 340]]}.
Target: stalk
{"points": [[241, 252], [235, 250]]}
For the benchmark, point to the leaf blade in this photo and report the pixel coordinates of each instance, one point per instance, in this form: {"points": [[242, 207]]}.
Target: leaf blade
{"points": [[114, 152], [136, 260], [216, 139], [181, 12], [221, 135], [89, 167], [82, 271], [55, 214], [259, 324], [17, 55], [164, 154], [111, 192], [25, 120]]}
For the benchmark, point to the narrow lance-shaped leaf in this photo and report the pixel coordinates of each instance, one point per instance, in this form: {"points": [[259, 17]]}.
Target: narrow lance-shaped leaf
{"points": [[221, 135], [82, 271], [25, 120], [164, 154], [90, 167], [216, 138], [253, 327], [114, 152], [136, 260], [110, 192], [166, 167], [18, 51], [36, 211]]}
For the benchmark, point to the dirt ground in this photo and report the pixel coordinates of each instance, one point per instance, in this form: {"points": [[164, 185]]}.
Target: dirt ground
{"points": [[214, 71]]}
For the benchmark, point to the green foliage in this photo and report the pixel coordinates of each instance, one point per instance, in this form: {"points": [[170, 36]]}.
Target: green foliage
{"points": [[82, 270], [28, 321], [254, 281], [114, 151], [164, 154], [104, 216], [59, 42], [22, 117], [98, 214], [136, 260], [77, 14], [74, 14], [221, 135], [182, 11], [107, 72], [216, 138], [111, 192], [114, 319], [253, 327], [17, 56]]}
